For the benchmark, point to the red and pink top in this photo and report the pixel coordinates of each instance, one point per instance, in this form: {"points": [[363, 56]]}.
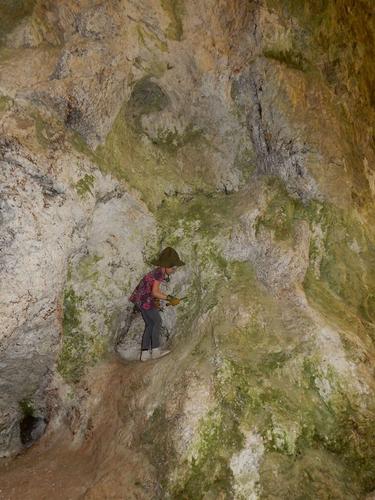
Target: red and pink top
{"points": [[142, 294]]}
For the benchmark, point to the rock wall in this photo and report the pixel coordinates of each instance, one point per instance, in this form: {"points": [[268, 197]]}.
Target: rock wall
{"points": [[240, 133]]}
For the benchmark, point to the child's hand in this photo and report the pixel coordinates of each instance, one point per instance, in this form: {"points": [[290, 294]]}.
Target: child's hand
{"points": [[157, 303], [173, 301]]}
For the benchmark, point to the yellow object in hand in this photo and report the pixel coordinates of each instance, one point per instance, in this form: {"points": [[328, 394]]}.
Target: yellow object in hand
{"points": [[173, 301]]}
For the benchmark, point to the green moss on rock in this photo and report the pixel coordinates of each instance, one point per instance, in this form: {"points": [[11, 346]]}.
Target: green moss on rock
{"points": [[43, 129], [71, 359], [149, 39], [85, 186], [27, 407], [282, 211], [341, 277], [245, 162], [341, 274], [5, 103], [336, 34], [81, 346], [267, 379], [152, 169], [172, 140], [98, 347], [290, 58], [260, 389], [11, 14], [209, 473], [353, 438], [201, 213], [175, 10], [80, 145], [87, 269]]}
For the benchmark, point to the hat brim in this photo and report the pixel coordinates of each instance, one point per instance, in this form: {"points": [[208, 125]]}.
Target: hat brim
{"points": [[162, 263]]}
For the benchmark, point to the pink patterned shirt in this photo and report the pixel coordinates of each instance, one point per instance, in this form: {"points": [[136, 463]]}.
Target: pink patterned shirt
{"points": [[142, 294]]}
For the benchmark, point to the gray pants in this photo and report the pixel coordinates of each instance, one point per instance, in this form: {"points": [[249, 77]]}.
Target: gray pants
{"points": [[151, 335]]}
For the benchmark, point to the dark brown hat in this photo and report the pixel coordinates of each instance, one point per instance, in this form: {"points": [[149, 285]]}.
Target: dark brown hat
{"points": [[168, 258]]}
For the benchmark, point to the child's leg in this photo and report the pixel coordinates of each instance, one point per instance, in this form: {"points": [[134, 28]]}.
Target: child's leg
{"points": [[147, 334], [156, 327]]}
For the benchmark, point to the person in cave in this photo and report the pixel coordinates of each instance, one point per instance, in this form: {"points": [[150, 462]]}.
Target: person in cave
{"points": [[147, 296]]}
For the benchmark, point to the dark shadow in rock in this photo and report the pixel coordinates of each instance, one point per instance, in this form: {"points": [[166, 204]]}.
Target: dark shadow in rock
{"points": [[147, 97], [31, 429]]}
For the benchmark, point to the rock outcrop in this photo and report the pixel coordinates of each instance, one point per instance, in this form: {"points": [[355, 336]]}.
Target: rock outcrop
{"points": [[240, 133]]}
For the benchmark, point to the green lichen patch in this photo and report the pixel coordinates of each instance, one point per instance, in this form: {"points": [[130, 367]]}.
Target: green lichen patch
{"points": [[353, 438], [152, 169], [192, 223], [43, 130], [290, 58], [175, 10], [341, 274], [156, 165], [341, 277], [317, 474], [254, 391], [80, 145], [87, 268], [85, 186], [150, 40], [5, 103], [172, 140], [81, 346], [266, 378], [98, 347], [27, 407], [304, 10], [281, 397], [201, 213], [209, 473], [12, 12], [50, 132], [124, 156], [275, 390], [282, 211], [70, 362], [339, 37], [245, 162]]}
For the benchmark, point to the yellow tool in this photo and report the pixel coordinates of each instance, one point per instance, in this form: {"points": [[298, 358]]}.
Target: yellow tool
{"points": [[174, 301]]}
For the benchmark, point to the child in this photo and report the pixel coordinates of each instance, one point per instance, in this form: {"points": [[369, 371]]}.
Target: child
{"points": [[147, 296]]}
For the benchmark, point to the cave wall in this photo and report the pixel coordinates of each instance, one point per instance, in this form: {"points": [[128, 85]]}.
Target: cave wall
{"points": [[241, 133]]}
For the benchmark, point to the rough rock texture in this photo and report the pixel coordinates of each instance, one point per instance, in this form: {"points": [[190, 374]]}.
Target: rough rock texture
{"points": [[242, 134]]}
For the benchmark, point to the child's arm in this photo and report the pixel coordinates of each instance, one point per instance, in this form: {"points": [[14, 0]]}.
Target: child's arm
{"points": [[156, 292]]}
